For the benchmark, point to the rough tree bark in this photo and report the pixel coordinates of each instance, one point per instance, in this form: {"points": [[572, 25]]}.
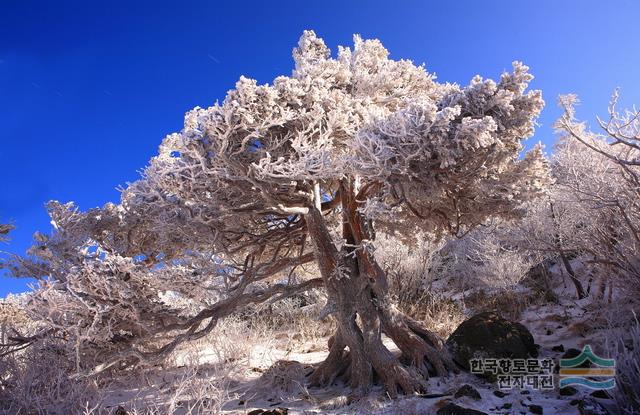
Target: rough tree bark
{"points": [[362, 307]]}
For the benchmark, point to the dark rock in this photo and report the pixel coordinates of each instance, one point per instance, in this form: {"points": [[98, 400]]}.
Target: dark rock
{"points": [[525, 392], [500, 394], [506, 406], [574, 402], [468, 390], [601, 394], [591, 407], [558, 348], [549, 332], [535, 409], [453, 409], [489, 335], [434, 395], [568, 391], [120, 411]]}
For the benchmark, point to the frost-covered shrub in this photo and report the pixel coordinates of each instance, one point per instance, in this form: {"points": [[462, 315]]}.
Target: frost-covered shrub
{"points": [[626, 350], [36, 373], [490, 257], [412, 269], [38, 380], [411, 266]]}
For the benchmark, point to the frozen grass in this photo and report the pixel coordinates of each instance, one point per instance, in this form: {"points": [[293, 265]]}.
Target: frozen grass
{"points": [[625, 346]]}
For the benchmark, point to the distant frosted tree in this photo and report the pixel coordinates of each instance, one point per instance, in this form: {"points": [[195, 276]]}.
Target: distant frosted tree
{"points": [[303, 171], [598, 184]]}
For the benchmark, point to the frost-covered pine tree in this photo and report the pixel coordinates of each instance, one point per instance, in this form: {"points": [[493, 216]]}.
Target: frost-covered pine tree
{"points": [[304, 170], [318, 159]]}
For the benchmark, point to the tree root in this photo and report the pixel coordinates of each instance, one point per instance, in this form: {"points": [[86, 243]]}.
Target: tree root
{"points": [[424, 350], [422, 354]]}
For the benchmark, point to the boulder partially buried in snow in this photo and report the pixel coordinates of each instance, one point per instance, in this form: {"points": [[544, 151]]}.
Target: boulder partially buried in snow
{"points": [[487, 335]]}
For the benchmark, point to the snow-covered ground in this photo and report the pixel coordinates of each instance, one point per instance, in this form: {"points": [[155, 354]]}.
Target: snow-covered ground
{"points": [[272, 374]]}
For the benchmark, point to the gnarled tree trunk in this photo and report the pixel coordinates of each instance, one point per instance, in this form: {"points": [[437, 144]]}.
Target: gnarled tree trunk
{"points": [[357, 287]]}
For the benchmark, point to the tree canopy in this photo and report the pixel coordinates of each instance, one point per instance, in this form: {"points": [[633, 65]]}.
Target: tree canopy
{"points": [[304, 169]]}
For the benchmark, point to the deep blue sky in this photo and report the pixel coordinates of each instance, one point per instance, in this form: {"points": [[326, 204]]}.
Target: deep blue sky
{"points": [[88, 89]]}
